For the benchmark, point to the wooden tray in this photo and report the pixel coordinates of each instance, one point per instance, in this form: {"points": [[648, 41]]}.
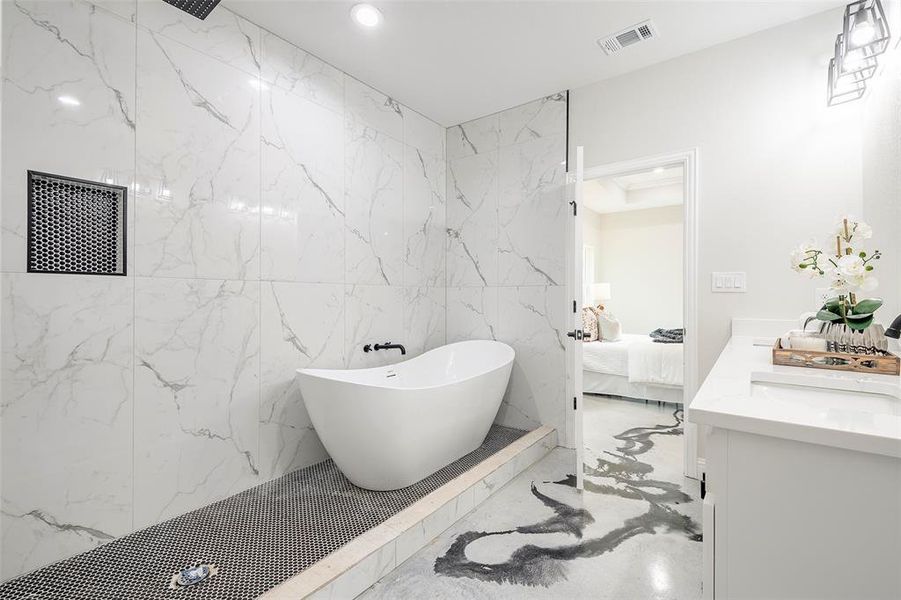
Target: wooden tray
{"points": [[837, 361]]}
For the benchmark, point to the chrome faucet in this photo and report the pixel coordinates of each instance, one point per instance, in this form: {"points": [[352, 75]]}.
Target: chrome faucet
{"points": [[385, 346]]}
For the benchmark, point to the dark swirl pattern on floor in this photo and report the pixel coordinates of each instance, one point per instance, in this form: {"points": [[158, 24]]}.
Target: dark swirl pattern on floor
{"points": [[624, 476]]}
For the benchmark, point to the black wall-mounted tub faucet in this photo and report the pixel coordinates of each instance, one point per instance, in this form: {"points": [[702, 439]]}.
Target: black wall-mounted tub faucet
{"points": [[385, 346]]}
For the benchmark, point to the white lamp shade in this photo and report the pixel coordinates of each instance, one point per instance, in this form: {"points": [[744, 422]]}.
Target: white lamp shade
{"points": [[600, 292]]}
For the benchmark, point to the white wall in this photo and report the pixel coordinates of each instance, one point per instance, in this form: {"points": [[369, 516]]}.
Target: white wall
{"points": [[882, 178], [639, 253], [303, 216], [775, 164]]}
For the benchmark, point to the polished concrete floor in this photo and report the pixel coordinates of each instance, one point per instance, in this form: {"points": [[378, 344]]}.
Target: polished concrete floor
{"points": [[634, 533]]}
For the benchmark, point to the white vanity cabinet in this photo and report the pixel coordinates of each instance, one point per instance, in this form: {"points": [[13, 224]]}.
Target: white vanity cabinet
{"points": [[803, 486], [788, 519]]}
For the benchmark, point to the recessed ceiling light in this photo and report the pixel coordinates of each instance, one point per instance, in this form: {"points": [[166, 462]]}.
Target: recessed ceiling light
{"points": [[658, 170], [366, 15], [69, 100]]}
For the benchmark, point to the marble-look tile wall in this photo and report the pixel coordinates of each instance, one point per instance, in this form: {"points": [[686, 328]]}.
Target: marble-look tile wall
{"points": [[281, 214], [506, 226]]}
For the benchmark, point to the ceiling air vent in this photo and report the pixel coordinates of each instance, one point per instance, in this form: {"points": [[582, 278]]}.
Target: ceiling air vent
{"points": [[637, 33]]}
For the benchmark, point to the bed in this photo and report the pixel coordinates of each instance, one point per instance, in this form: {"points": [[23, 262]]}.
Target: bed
{"points": [[633, 367]]}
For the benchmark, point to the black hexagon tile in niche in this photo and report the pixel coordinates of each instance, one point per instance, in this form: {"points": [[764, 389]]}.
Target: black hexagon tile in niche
{"points": [[75, 226]]}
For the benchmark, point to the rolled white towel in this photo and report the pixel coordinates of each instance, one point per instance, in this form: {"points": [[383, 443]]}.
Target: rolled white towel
{"points": [[797, 339]]}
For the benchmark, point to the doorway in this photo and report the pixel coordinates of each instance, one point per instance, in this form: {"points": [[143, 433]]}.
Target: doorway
{"points": [[632, 272]]}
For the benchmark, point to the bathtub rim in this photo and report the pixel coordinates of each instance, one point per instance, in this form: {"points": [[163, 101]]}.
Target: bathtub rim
{"points": [[323, 373]]}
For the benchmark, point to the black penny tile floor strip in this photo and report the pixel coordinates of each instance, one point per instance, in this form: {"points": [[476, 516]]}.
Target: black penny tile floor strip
{"points": [[256, 539]]}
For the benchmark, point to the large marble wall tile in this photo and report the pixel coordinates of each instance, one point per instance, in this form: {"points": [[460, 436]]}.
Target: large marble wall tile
{"points": [[471, 314], [531, 320], [542, 118], [288, 67], [532, 213], [424, 319], [222, 35], [84, 55], [198, 201], [424, 134], [66, 416], [472, 195], [425, 218], [302, 325], [197, 392], [374, 241], [368, 107], [474, 137], [302, 156], [373, 314]]}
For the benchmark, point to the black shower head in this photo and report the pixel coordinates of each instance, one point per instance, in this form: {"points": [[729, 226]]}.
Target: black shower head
{"points": [[195, 8]]}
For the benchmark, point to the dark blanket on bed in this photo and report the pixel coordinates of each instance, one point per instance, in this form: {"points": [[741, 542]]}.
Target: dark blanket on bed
{"points": [[667, 336]]}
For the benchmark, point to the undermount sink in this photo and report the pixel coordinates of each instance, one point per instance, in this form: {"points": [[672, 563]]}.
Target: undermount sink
{"points": [[831, 390]]}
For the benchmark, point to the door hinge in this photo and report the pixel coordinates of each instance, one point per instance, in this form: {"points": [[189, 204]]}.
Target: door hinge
{"points": [[574, 403], [574, 307], [575, 209]]}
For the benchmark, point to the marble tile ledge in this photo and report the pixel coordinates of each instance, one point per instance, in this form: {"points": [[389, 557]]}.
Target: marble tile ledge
{"points": [[357, 565]]}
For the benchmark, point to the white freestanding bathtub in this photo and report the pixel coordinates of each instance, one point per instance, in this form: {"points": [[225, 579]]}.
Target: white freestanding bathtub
{"points": [[388, 427]]}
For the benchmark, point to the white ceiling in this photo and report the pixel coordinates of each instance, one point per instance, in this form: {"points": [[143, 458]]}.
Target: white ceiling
{"points": [[641, 190], [649, 178], [460, 59]]}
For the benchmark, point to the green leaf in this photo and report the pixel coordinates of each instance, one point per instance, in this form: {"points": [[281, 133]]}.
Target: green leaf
{"points": [[867, 306], [857, 317], [802, 266], [862, 254], [861, 325], [833, 305], [828, 316]]}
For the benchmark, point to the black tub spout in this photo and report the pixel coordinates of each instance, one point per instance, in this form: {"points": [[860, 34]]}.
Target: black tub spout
{"points": [[385, 346]]}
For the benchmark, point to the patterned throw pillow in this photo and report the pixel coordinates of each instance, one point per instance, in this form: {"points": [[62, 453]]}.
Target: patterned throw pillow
{"points": [[589, 325]]}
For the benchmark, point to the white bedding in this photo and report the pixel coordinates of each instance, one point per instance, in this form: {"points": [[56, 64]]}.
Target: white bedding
{"points": [[618, 385], [637, 357]]}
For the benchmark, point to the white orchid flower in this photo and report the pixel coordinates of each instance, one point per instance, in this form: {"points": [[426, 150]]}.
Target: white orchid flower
{"points": [[856, 229], [804, 260], [850, 266]]}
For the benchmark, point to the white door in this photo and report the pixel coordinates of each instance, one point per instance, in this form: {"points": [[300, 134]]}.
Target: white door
{"points": [[574, 313]]}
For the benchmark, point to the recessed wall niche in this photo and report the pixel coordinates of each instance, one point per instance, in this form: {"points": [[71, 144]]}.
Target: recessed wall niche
{"points": [[75, 226]]}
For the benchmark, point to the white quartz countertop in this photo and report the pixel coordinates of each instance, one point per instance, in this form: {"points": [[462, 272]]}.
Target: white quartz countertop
{"points": [[842, 418]]}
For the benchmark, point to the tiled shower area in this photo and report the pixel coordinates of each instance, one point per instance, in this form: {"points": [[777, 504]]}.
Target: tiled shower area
{"points": [[253, 540], [278, 214]]}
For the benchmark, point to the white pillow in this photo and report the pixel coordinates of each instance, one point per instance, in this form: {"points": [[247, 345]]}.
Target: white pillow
{"points": [[610, 329]]}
